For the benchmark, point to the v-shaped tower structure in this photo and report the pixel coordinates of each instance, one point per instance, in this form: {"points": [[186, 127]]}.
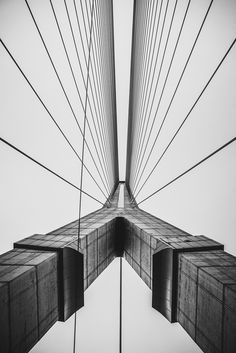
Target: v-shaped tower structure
{"points": [[193, 281]]}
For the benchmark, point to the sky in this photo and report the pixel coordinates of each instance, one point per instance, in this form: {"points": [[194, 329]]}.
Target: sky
{"points": [[32, 201]]}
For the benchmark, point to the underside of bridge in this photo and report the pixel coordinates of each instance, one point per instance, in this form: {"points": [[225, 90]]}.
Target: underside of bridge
{"points": [[193, 281]]}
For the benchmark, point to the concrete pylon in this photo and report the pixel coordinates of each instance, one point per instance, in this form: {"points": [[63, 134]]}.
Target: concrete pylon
{"points": [[193, 281]]}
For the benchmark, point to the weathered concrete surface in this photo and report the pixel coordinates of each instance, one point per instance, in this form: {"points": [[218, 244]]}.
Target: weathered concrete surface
{"points": [[37, 288], [29, 288], [45, 266], [68, 271], [207, 299], [43, 279], [165, 269], [193, 280]]}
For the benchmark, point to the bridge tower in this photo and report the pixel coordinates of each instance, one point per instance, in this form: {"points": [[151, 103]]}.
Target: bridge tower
{"points": [[193, 281]]}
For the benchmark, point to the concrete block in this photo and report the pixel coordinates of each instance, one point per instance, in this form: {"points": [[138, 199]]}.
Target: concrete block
{"points": [[207, 299], [165, 269], [22, 306], [69, 277], [92, 257], [145, 253], [208, 321], [187, 301], [229, 336], [136, 247], [4, 317], [102, 252], [73, 286], [45, 264], [47, 288]]}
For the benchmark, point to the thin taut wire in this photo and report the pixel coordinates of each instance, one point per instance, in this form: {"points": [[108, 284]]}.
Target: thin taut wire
{"points": [[83, 145]]}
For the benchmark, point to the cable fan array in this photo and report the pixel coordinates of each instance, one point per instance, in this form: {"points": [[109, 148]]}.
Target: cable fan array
{"points": [[158, 29]]}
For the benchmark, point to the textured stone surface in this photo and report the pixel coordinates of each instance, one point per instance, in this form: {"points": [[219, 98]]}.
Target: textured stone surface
{"points": [[45, 264], [22, 306], [4, 317], [193, 281], [207, 298]]}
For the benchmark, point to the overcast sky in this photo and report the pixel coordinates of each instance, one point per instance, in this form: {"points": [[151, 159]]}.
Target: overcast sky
{"points": [[32, 201]]}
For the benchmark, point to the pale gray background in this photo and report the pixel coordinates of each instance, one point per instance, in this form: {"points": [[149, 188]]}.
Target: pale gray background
{"points": [[32, 201]]}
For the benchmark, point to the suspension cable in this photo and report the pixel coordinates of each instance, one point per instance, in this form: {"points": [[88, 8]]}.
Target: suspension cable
{"points": [[83, 47], [161, 95], [77, 88], [49, 113], [91, 88], [120, 318], [134, 108], [177, 86], [48, 169], [145, 86], [142, 141], [188, 170], [83, 148], [188, 114], [143, 37], [149, 90], [63, 89]]}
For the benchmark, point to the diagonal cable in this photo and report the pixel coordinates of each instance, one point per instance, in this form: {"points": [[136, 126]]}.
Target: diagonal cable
{"points": [[188, 170], [188, 114], [175, 91], [48, 112], [76, 85], [61, 85], [142, 140], [46, 168], [164, 85]]}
